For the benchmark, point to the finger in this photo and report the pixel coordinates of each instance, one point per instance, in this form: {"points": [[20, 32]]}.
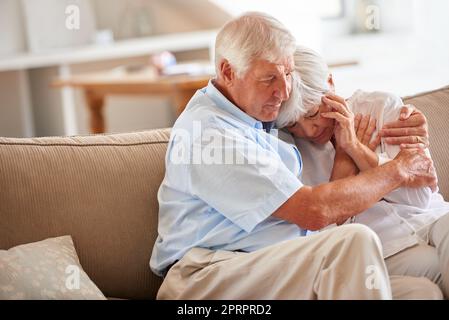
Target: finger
{"points": [[407, 140], [340, 107], [373, 144], [369, 131], [402, 132], [414, 151], [362, 127], [406, 111], [412, 146], [434, 187], [415, 120], [359, 131], [335, 97], [357, 119], [433, 179], [337, 106], [432, 182], [335, 115]]}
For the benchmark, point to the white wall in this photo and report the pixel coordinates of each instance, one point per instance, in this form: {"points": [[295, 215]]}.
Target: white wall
{"points": [[15, 109], [123, 113], [428, 18], [12, 35], [128, 113], [409, 55], [168, 16], [47, 103]]}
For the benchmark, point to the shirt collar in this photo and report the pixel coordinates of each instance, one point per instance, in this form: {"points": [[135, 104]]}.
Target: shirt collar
{"points": [[268, 126], [222, 102]]}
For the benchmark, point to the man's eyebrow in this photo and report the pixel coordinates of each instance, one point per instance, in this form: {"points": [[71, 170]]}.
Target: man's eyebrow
{"points": [[275, 72], [267, 75]]}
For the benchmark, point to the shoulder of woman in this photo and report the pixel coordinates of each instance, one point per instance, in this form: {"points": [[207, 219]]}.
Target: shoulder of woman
{"points": [[372, 95], [361, 100]]}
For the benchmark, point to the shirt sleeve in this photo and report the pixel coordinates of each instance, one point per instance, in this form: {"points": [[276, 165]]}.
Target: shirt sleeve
{"points": [[239, 178], [417, 197]]}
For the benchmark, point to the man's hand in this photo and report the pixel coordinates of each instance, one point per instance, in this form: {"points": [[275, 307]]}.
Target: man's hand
{"points": [[409, 131], [416, 168]]}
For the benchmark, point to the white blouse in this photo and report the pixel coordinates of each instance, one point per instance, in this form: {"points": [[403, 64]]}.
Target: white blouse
{"points": [[402, 217]]}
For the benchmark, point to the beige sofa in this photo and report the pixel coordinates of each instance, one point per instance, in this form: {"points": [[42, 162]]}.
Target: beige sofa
{"points": [[102, 190]]}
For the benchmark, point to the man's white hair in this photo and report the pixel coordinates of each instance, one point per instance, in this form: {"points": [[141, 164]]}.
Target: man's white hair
{"points": [[313, 73], [252, 35]]}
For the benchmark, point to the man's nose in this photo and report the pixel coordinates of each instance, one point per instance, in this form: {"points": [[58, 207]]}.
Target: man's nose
{"points": [[283, 90]]}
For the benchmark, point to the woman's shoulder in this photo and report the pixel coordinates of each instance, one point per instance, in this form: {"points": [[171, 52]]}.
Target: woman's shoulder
{"points": [[285, 136], [373, 101], [361, 95]]}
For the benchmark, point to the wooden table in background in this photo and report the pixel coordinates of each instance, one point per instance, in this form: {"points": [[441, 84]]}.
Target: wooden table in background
{"points": [[97, 86], [178, 88]]}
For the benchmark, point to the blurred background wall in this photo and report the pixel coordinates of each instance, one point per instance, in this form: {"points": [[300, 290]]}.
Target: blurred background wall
{"points": [[393, 45]]}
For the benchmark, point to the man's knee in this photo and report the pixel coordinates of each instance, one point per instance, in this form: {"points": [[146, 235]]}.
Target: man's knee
{"points": [[439, 233], [361, 235], [418, 261], [413, 288], [357, 241], [443, 223]]}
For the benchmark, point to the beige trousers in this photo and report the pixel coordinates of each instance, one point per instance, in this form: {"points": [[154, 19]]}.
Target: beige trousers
{"points": [[340, 263], [428, 259]]}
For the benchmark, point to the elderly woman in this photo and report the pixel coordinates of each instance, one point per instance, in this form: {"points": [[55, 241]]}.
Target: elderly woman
{"points": [[412, 224]]}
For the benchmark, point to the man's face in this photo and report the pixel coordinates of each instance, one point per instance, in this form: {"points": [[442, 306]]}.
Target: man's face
{"points": [[262, 89]]}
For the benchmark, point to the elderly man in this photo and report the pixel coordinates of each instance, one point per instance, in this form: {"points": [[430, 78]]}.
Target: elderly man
{"points": [[233, 215]]}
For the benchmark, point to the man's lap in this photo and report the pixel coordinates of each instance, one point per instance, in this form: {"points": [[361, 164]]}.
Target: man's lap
{"points": [[286, 270]]}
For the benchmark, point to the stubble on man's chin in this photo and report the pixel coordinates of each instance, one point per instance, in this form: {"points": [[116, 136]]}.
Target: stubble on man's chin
{"points": [[270, 116]]}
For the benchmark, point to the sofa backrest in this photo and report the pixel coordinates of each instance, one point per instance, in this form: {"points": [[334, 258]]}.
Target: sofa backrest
{"points": [[435, 106], [101, 190]]}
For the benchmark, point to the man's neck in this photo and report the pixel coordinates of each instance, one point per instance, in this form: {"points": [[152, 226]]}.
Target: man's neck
{"points": [[219, 85], [267, 125]]}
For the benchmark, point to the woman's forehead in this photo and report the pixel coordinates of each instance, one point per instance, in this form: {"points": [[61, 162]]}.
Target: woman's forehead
{"points": [[312, 109]]}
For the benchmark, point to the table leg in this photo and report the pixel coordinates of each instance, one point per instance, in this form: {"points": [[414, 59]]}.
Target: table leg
{"points": [[95, 103]]}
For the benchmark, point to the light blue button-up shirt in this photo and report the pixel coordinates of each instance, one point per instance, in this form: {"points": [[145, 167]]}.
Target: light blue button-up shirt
{"points": [[225, 176]]}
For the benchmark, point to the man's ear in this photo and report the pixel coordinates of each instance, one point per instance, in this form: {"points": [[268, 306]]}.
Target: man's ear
{"points": [[330, 82], [227, 72]]}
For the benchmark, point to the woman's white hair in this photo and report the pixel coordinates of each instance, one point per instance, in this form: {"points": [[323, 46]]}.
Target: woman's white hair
{"points": [[293, 108], [250, 36], [311, 73]]}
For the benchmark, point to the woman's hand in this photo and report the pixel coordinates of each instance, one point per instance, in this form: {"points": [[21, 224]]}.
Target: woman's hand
{"points": [[345, 134], [365, 126]]}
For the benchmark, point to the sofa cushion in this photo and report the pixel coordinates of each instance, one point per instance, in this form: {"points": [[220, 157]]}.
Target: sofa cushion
{"points": [[47, 269], [101, 190], [435, 105]]}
